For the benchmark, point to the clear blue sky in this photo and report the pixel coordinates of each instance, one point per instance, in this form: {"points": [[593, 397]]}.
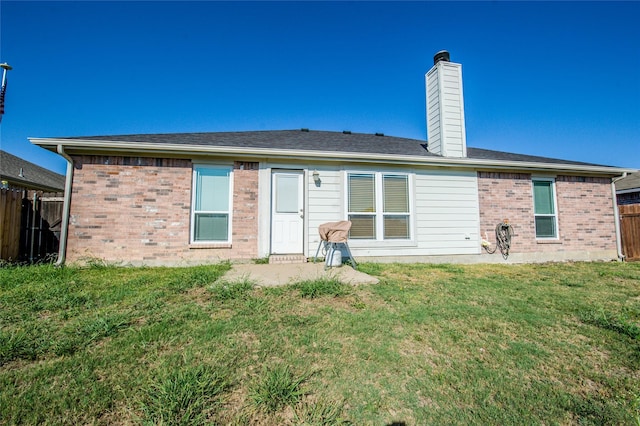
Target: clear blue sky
{"points": [[545, 78]]}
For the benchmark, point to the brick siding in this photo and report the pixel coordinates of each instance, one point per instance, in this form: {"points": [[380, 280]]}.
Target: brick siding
{"points": [[138, 210], [245, 210], [585, 212], [586, 218]]}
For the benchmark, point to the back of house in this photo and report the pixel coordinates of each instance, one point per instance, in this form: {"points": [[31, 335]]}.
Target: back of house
{"points": [[188, 198]]}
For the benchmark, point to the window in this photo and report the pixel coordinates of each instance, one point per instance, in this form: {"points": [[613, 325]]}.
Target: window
{"points": [[378, 206], [544, 208], [211, 204], [362, 206]]}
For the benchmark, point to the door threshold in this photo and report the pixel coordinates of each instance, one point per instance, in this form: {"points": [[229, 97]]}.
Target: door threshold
{"points": [[287, 258]]}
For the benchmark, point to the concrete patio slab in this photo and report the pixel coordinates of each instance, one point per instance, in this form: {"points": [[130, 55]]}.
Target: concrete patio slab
{"points": [[282, 274]]}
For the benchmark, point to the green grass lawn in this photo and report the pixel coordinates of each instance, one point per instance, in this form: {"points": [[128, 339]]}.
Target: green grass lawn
{"points": [[429, 344]]}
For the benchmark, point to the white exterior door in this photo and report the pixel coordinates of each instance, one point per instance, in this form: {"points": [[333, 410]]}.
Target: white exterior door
{"points": [[287, 212]]}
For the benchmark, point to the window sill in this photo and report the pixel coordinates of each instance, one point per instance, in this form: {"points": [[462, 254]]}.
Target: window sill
{"points": [[554, 241], [209, 245]]}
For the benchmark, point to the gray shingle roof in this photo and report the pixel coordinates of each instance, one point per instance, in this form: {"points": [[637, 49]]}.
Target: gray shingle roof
{"points": [[317, 141], [631, 181], [284, 139], [33, 176], [486, 154]]}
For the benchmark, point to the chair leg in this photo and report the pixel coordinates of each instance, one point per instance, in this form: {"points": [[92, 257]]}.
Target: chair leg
{"points": [[318, 251], [353, 261], [328, 260]]}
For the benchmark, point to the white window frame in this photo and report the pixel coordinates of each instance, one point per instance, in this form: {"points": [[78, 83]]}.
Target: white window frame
{"points": [[555, 207], [193, 204], [379, 213]]}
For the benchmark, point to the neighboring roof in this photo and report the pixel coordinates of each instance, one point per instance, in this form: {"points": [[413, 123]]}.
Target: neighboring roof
{"points": [[320, 144], [629, 182], [33, 176]]}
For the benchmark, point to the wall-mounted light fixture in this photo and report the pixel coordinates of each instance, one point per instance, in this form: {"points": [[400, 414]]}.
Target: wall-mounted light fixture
{"points": [[316, 176]]}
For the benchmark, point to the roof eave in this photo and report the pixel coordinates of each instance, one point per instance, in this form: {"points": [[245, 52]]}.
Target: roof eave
{"points": [[30, 185], [138, 147], [627, 191]]}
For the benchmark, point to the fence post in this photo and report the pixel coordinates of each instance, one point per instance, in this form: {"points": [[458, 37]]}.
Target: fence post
{"points": [[33, 226]]}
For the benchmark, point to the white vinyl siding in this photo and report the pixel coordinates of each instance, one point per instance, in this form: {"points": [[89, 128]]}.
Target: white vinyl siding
{"points": [[324, 202], [447, 213], [211, 204], [445, 110], [544, 208], [433, 112], [443, 217]]}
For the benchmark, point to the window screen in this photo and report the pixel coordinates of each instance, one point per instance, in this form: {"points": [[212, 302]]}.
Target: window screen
{"points": [[544, 209], [210, 209]]}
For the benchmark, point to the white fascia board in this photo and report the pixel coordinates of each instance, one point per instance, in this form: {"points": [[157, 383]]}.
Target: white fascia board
{"points": [[270, 153], [627, 191]]}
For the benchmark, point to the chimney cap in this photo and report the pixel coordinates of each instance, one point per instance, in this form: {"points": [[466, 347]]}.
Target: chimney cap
{"points": [[442, 55]]}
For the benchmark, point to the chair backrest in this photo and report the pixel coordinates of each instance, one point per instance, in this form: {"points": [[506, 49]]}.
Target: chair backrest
{"points": [[335, 232]]}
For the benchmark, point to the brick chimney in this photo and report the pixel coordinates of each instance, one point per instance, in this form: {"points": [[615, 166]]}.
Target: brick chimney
{"points": [[446, 133]]}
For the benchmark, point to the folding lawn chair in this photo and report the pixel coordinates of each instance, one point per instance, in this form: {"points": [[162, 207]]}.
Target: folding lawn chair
{"points": [[333, 238]]}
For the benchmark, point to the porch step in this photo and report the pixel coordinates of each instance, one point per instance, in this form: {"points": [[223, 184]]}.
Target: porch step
{"points": [[287, 258]]}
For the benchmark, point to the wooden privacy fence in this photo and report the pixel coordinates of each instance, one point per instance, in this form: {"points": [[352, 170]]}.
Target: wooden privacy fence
{"points": [[30, 222], [630, 230], [10, 218]]}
